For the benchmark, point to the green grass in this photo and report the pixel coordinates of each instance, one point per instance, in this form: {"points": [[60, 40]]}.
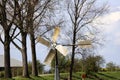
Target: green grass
{"points": [[109, 75], [76, 76], [35, 78], [31, 78]]}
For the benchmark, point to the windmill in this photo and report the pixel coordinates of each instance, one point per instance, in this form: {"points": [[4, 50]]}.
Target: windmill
{"points": [[53, 49]]}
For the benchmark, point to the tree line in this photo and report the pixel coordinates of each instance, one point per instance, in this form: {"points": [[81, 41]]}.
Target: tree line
{"points": [[20, 18]]}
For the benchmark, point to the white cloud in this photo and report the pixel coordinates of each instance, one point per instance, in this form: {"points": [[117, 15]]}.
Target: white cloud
{"points": [[111, 18], [109, 21]]}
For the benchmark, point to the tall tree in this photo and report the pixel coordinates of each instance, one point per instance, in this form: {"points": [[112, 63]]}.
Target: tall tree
{"points": [[6, 22], [82, 13], [42, 9], [19, 23], [30, 23]]}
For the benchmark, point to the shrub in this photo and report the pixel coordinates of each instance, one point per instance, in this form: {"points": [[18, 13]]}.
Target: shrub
{"points": [[2, 74]]}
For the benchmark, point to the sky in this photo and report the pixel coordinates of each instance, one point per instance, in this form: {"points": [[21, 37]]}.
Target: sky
{"points": [[111, 27], [111, 30]]}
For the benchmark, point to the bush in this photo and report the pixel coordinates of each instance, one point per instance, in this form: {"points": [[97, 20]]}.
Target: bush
{"points": [[2, 74], [16, 71]]}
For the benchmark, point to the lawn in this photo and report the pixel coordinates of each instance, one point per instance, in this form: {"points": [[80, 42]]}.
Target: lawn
{"points": [[31, 78], [109, 75], [76, 76]]}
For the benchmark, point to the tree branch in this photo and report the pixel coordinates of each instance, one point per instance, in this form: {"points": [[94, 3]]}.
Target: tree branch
{"points": [[45, 6], [1, 40], [70, 15], [16, 45], [15, 36]]}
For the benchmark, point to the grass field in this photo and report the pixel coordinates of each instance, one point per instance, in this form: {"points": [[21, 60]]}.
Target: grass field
{"points": [[76, 76]]}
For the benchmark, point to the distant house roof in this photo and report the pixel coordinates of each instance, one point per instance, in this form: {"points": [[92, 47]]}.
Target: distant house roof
{"points": [[14, 62]]}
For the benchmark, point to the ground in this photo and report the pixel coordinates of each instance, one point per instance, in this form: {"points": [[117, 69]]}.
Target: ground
{"points": [[76, 76]]}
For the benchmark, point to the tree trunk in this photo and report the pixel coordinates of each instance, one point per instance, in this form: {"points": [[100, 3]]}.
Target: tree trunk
{"points": [[34, 60], [73, 48], [3, 23], [73, 54], [24, 55], [30, 21], [7, 55]]}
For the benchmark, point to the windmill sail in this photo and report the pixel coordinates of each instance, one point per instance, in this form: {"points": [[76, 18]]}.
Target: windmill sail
{"points": [[62, 49], [84, 44], [56, 34], [43, 41], [49, 57]]}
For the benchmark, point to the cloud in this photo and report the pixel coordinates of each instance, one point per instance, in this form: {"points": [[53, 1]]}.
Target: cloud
{"points": [[111, 18], [109, 21]]}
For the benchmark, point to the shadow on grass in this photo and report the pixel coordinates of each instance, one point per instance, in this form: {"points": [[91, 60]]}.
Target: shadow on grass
{"points": [[94, 76], [90, 76], [6, 79], [77, 77], [30, 78], [38, 78], [114, 78]]}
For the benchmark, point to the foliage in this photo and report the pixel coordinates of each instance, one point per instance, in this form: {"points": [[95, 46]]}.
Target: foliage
{"points": [[2, 73], [40, 67], [112, 67], [93, 63], [90, 64], [63, 63], [16, 71]]}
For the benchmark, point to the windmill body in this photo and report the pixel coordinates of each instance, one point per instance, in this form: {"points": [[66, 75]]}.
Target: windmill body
{"points": [[53, 49]]}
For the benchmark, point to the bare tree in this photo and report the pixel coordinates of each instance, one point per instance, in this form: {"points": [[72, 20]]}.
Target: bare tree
{"points": [[37, 11], [6, 23], [30, 23], [82, 13], [20, 24], [40, 8]]}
